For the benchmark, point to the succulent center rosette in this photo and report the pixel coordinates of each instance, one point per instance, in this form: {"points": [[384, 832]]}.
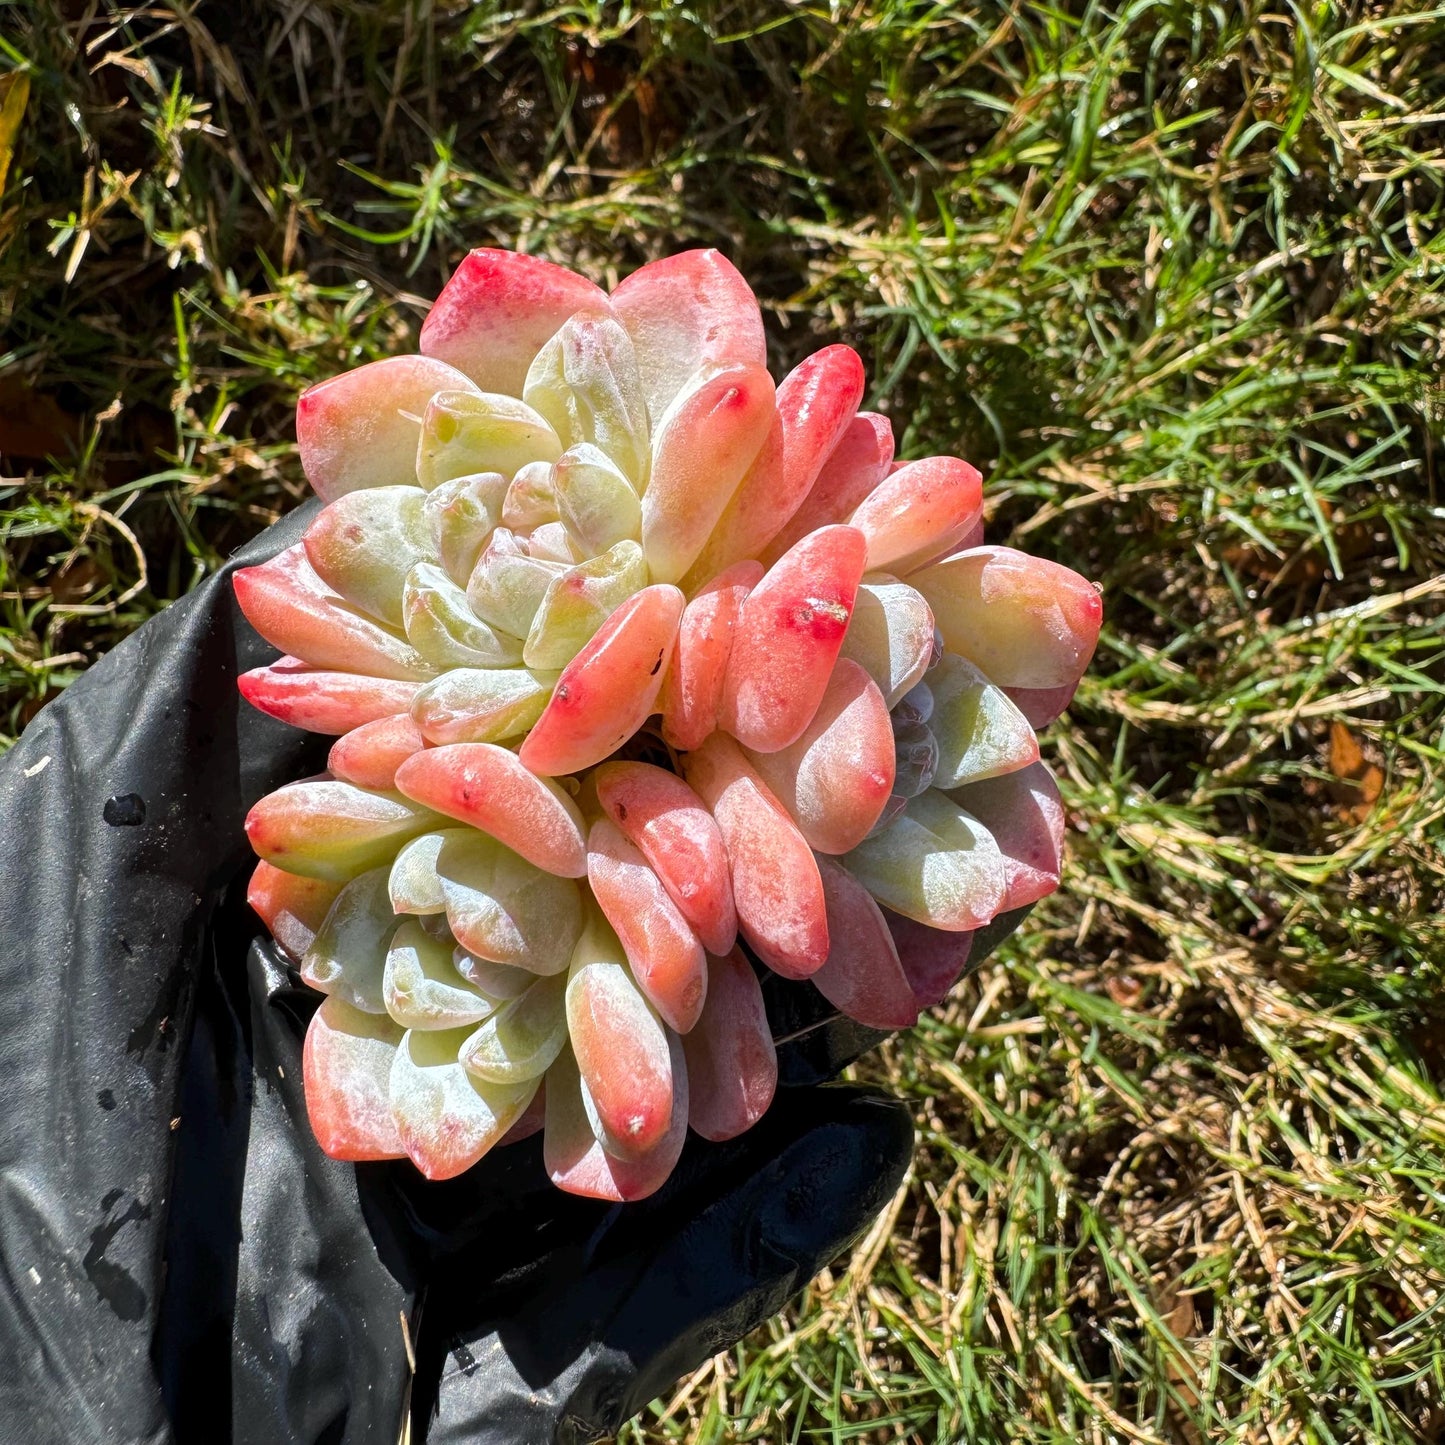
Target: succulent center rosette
{"points": [[642, 669]]}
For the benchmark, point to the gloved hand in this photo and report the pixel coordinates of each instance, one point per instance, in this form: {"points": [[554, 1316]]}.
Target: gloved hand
{"points": [[180, 1261]]}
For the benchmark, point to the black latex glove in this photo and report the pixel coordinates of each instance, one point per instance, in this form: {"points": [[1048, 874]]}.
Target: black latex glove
{"points": [[180, 1261]]}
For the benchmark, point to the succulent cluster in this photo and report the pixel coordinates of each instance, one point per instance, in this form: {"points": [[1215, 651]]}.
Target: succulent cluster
{"points": [[635, 659]]}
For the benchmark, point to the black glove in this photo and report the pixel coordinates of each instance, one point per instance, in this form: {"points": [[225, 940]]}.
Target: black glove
{"points": [[180, 1260]]}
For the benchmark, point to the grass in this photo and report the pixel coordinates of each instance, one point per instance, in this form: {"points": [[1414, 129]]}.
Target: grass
{"points": [[1175, 273]]}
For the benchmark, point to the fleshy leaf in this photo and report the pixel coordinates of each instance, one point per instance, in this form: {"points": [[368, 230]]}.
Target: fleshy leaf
{"points": [[921, 510], [578, 601], [447, 1118], [370, 755], [360, 430], [464, 432], [460, 515], [348, 955], [363, 545], [585, 381], [442, 627], [933, 959], [322, 701], [890, 634], [486, 786], [692, 693], [933, 863], [574, 1157], [293, 908], [1042, 705], [776, 888], [595, 501], [732, 1066], [503, 908], [787, 638], [481, 704], [863, 976], [607, 691], [421, 986], [346, 1070], [507, 585], [530, 500], [666, 959], [701, 448], [858, 463], [686, 311], [1025, 621], [323, 828], [836, 777], [293, 609], [414, 883], [498, 311], [816, 403], [522, 1038], [980, 732], [663, 817], [1025, 814]]}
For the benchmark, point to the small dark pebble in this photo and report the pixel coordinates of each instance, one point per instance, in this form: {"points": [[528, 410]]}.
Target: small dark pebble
{"points": [[106, 1100], [125, 810]]}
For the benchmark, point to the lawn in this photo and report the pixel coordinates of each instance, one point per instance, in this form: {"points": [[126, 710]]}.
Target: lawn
{"points": [[1173, 275]]}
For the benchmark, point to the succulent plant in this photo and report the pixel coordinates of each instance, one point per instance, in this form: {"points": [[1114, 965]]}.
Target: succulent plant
{"points": [[642, 668]]}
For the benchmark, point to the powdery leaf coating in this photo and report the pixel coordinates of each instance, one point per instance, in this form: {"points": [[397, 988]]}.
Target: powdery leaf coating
{"points": [[620, 1045], [1025, 814], [863, 976], [530, 501], [861, 459], [293, 908], [502, 908], [681, 841], [666, 959], [586, 383], [507, 585], [441, 625], [578, 601], [980, 732], [499, 981], [575, 1158], [448, 1119], [360, 429], [1025, 621], [920, 510], [487, 786], [787, 637], [595, 501], [421, 986], [481, 704], [348, 955], [732, 1065], [324, 828], [293, 609], [1043, 705], [498, 311], [346, 1072], [522, 1038], [322, 701], [465, 432], [701, 448], [816, 403], [607, 691], [363, 545], [551, 542], [692, 693], [415, 885], [460, 515], [934, 864], [369, 755], [890, 635], [684, 312], [776, 888], [932, 959], [835, 779]]}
